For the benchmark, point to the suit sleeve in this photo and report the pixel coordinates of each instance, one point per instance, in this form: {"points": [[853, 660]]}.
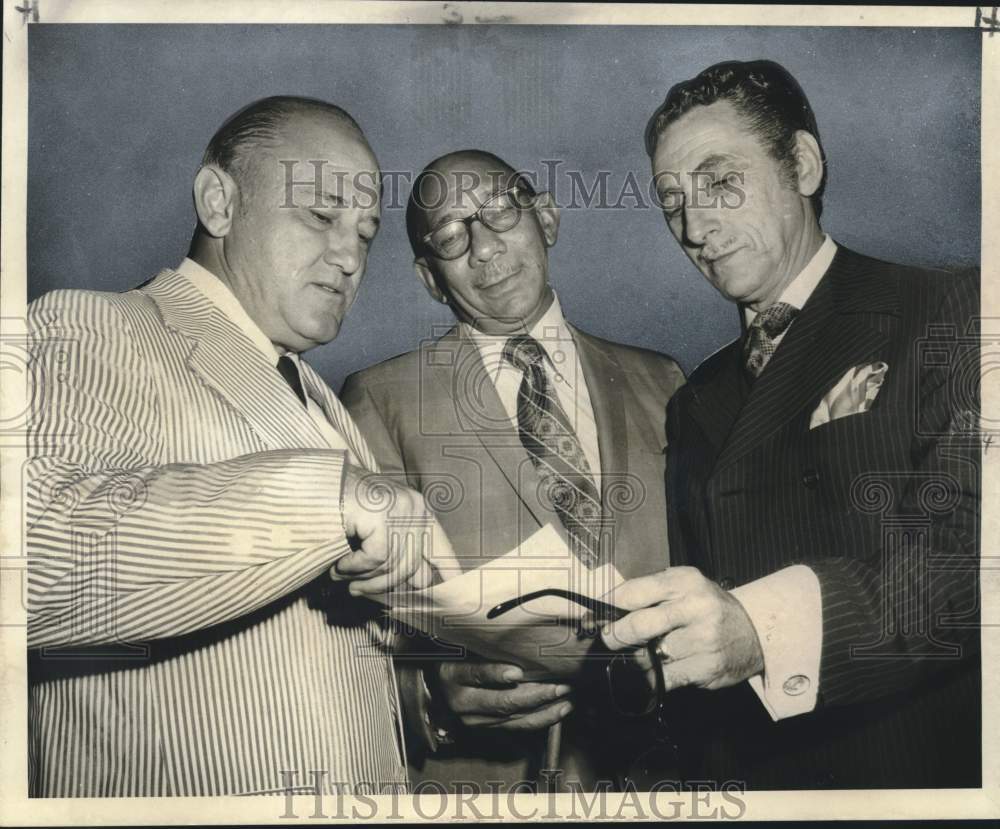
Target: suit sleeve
{"points": [[896, 615], [124, 546]]}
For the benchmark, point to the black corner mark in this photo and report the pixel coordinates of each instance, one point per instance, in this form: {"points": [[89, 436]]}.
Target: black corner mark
{"points": [[28, 10], [990, 22]]}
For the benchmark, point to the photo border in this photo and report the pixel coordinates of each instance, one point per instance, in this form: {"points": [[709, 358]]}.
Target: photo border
{"points": [[16, 808]]}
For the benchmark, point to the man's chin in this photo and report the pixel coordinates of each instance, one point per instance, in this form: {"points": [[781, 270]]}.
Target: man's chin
{"points": [[309, 338]]}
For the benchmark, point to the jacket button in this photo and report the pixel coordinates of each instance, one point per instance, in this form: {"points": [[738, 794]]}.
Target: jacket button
{"points": [[810, 478], [727, 582]]}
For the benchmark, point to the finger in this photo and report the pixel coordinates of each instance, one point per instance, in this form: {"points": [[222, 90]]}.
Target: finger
{"points": [[360, 562], [482, 674], [639, 626], [638, 592], [439, 552], [541, 718], [421, 577], [521, 699], [679, 644], [693, 670], [406, 567], [648, 590], [375, 586]]}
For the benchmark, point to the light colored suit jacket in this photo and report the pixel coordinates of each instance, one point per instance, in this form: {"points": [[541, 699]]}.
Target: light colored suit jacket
{"points": [[433, 417], [182, 516]]}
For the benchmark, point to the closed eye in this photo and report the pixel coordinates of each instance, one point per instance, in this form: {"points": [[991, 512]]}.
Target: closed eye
{"points": [[322, 218]]}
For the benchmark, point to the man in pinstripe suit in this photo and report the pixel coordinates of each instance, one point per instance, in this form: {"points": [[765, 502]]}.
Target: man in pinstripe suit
{"points": [[826, 465], [203, 515]]}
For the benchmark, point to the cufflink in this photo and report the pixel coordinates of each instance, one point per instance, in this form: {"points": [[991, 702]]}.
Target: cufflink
{"points": [[443, 736], [796, 685]]}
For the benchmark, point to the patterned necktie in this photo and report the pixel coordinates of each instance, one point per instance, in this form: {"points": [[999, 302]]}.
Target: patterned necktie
{"points": [[767, 325], [555, 451], [288, 370]]}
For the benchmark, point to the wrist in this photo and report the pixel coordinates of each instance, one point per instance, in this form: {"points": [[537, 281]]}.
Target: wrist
{"points": [[443, 723]]}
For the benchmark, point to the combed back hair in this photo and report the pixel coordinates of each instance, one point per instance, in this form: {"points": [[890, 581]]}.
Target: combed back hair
{"points": [[259, 124], [415, 210], [768, 98]]}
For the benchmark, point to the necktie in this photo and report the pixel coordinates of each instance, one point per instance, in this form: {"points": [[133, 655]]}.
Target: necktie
{"points": [[767, 325], [555, 451], [290, 372]]}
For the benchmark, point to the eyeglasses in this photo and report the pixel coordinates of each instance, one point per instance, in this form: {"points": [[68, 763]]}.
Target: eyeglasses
{"points": [[629, 694], [499, 213], [603, 612]]}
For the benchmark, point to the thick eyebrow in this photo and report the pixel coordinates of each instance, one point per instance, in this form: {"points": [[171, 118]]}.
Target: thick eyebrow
{"points": [[334, 200], [715, 161]]}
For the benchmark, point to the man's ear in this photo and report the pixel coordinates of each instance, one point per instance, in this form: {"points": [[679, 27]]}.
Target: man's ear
{"points": [[427, 277], [215, 198], [548, 217], [808, 163]]}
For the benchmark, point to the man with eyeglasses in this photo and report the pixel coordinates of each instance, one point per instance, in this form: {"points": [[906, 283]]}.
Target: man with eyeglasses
{"points": [[522, 420]]}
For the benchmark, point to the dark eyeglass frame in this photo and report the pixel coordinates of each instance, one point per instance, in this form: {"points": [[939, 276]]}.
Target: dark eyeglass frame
{"points": [[604, 613], [478, 216]]}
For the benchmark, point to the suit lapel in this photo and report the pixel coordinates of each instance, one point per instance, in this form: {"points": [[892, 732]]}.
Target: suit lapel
{"points": [[232, 365], [457, 370], [716, 397], [338, 416], [608, 388], [833, 332]]}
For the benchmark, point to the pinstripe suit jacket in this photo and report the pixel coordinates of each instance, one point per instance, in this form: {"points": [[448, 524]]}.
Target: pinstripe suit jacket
{"points": [[434, 417], [884, 507], [182, 514]]}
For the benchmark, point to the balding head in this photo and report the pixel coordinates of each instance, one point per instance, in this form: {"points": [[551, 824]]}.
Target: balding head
{"points": [[446, 179], [263, 124]]}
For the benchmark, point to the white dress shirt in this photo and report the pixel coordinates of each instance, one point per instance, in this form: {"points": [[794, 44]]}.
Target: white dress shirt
{"points": [[219, 294], [562, 371], [786, 607]]}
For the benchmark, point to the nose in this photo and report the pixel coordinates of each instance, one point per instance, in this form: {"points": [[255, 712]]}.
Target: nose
{"points": [[343, 250], [699, 223], [484, 243]]}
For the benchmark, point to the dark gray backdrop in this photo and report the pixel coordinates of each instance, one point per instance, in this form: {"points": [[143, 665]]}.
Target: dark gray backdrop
{"points": [[119, 116]]}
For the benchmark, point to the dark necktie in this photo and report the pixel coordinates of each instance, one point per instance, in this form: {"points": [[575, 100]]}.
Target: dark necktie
{"points": [[548, 436], [766, 327], [288, 370]]}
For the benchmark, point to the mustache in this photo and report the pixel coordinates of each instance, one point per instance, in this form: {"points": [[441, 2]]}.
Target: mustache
{"points": [[494, 271], [716, 251]]}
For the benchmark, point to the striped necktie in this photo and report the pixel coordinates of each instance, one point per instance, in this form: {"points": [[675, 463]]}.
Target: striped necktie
{"points": [[548, 436], [765, 328]]}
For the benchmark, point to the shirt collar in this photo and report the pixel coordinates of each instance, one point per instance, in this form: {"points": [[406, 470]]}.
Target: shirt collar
{"points": [[801, 288], [218, 293], [549, 330]]}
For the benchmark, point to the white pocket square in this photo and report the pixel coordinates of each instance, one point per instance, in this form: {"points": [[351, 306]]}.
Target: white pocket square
{"points": [[854, 394]]}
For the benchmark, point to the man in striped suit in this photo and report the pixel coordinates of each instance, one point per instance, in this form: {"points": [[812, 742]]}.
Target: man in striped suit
{"points": [[203, 516], [480, 236], [826, 465]]}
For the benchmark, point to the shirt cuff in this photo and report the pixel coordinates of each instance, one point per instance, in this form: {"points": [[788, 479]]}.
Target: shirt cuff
{"points": [[786, 611]]}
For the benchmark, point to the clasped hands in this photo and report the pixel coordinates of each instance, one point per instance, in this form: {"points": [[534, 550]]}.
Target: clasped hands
{"points": [[705, 639], [398, 537]]}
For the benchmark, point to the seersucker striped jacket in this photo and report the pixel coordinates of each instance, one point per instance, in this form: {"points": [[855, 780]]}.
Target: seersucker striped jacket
{"points": [[182, 513]]}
